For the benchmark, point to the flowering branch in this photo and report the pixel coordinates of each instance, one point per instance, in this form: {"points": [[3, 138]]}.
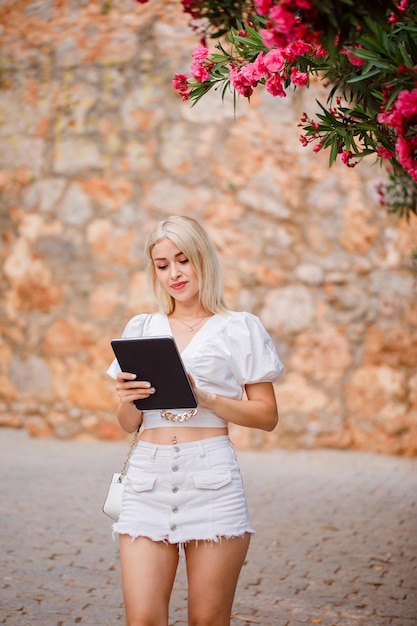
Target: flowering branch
{"points": [[365, 51]]}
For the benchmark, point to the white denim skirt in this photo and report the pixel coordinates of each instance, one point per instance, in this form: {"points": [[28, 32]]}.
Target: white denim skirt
{"points": [[184, 492]]}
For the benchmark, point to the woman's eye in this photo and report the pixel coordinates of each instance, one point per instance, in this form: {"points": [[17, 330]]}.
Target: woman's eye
{"points": [[184, 261], [161, 267]]}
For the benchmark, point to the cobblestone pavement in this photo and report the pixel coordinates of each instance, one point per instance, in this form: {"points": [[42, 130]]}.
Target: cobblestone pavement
{"points": [[336, 540]]}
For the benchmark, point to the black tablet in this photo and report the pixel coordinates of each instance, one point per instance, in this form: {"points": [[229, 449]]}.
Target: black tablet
{"points": [[157, 360]]}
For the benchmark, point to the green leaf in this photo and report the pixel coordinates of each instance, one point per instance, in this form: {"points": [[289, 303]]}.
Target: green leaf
{"points": [[362, 77], [333, 153]]}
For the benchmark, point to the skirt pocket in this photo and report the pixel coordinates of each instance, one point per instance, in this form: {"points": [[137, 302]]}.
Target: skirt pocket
{"points": [[141, 481], [212, 480]]}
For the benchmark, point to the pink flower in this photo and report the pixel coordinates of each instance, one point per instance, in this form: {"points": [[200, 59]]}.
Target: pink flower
{"points": [[383, 117], [273, 61], [199, 72], [352, 58], [253, 72], [301, 32], [393, 118], [200, 53], [271, 39], [394, 17], [191, 7], [263, 6], [274, 85], [296, 49], [406, 103], [346, 157], [304, 4], [239, 83], [384, 153], [179, 80], [198, 66], [407, 154], [180, 84], [321, 52], [401, 117], [299, 78], [284, 21]]}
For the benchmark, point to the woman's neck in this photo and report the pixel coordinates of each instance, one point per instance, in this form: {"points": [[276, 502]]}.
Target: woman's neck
{"points": [[190, 312]]}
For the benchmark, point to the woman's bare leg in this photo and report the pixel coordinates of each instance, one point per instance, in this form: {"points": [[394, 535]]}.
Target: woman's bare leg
{"points": [[213, 571], [148, 573]]}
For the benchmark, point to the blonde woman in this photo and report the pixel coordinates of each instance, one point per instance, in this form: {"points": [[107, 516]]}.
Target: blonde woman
{"points": [[184, 487]]}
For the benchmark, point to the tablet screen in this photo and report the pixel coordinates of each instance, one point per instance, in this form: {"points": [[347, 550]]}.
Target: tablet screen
{"points": [[157, 360]]}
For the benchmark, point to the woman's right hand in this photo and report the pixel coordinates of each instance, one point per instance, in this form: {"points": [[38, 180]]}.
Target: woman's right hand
{"points": [[129, 389]]}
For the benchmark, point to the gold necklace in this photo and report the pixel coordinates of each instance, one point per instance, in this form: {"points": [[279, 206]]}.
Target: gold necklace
{"points": [[191, 328]]}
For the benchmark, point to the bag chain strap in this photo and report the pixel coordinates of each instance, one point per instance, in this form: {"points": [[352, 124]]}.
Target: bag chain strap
{"points": [[129, 454]]}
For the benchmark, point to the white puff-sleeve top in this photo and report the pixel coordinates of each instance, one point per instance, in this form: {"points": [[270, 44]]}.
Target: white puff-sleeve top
{"points": [[229, 351]]}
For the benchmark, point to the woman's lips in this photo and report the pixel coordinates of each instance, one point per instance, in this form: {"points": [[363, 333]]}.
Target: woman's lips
{"points": [[178, 286]]}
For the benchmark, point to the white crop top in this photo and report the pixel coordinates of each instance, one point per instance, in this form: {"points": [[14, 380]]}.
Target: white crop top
{"points": [[229, 351]]}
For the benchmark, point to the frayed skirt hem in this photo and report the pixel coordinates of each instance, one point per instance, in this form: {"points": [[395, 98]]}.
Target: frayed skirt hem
{"points": [[181, 543]]}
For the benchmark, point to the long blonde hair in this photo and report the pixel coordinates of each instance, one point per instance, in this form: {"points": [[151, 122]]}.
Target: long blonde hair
{"points": [[191, 238]]}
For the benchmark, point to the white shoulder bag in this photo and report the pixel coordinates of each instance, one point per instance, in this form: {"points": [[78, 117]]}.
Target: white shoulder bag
{"points": [[113, 502]]}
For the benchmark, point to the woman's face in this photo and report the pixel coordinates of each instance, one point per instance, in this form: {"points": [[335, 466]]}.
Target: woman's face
{"points": [[174, 271]]}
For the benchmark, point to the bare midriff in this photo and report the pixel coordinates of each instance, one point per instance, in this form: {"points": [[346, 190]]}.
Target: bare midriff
{"points": [[179, 434]]}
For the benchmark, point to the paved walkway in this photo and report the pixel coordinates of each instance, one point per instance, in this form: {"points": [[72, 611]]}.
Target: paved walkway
{"points": [[336, 540]]}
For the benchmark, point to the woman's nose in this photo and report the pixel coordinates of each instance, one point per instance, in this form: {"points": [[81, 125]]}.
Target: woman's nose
{"points": [[175, 270]]}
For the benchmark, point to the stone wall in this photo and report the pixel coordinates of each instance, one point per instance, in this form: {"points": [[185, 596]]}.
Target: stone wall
{"points": [[95, 146]]}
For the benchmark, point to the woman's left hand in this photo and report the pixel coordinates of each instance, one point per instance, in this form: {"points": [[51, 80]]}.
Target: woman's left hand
{"points": [[257, 410], [204, 398]]}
